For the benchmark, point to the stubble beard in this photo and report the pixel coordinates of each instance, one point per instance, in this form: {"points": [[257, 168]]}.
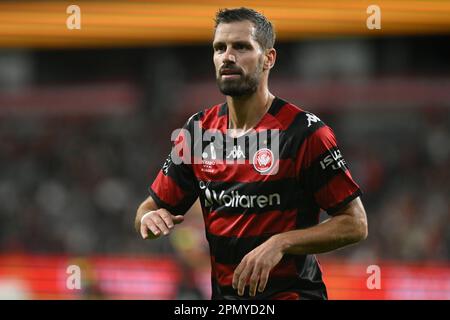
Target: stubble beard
{"points": [[243, 86]]}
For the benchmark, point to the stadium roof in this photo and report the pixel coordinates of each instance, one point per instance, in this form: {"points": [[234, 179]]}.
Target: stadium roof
{"points": [[42, 24]]}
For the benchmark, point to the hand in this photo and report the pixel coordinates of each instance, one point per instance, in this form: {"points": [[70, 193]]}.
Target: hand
{"points": [[159, 221], [256, 266]]}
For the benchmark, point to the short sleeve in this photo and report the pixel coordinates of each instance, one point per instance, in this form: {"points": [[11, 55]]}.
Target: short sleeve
{"points": [[175, 187], [322, 170]]}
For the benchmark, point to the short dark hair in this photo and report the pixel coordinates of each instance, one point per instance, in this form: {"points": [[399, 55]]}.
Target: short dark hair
{"points": [[264, 33]]}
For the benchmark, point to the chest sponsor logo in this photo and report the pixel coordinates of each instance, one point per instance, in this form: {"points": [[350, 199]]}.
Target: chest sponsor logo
{"points": [[234, 199]]}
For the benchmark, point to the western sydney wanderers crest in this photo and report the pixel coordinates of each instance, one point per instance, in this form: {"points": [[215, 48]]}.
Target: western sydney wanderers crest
{"points": [[263, 160]]}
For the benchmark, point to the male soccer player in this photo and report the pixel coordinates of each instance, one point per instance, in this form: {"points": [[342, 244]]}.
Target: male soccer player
{"points": [[261, 185]]}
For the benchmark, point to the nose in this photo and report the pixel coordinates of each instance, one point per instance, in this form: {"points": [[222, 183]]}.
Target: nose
{"points": [[229, 56]]}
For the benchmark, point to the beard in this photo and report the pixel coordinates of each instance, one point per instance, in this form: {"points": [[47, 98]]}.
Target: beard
{"points": [[243, 86]]}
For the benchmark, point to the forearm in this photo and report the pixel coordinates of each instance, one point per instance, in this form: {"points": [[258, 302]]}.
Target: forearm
{"points": [[146, 206], [332, 234]]}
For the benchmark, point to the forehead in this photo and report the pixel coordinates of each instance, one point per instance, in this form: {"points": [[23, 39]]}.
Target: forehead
{"points": [[235, 31]]}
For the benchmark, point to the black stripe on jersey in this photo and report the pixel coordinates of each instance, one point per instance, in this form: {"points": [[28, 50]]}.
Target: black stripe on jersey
{"points": [[276, 106], [308, 211], [276, 191], [323, 169], [223, 110], [231, 250], [342, 204], [183, 176], [299, 131], [181, 208]]}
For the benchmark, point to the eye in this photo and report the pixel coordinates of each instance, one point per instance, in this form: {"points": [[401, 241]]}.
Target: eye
{"points": [[241, 46], [219, 48]]}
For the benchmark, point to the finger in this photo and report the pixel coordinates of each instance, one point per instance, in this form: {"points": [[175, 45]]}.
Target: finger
{"points": [[237, 274], [166, 217], [177, 219], [253, 284], [243, 279], [147, 224], [144, 231], [159, 222], [153, 228], [263, 279]]}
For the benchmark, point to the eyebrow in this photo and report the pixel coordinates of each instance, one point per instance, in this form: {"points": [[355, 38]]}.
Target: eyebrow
{"points": [[241, 42]]}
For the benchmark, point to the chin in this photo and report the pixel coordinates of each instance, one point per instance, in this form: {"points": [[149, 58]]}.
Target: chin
{"points": [[234, 92], [236, 88]]}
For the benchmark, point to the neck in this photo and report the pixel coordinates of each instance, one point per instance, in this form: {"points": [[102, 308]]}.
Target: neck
{"points": [[245, 112]]}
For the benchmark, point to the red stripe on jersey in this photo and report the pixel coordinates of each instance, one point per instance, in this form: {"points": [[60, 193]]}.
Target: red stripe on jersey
{"points": [[167, 190], [211, 119], [247, 225], [243, 172], [336, 190], [286, 296], [316, 144], [267, 122], [224, 272], [287, 114], [211, 112]]}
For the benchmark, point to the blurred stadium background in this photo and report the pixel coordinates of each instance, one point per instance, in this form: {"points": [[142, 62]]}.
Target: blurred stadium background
{"points": [[86, 117]]}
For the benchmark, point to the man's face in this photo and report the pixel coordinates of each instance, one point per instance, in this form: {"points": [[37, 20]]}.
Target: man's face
{"points": [[238, 58]]}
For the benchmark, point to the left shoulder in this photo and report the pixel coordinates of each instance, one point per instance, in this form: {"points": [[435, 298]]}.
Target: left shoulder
{"points": [[311, 121], [304, 122], [291, 117]]}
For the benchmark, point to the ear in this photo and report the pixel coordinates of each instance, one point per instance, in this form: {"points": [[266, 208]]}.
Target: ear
{"points": [[269, 58]]}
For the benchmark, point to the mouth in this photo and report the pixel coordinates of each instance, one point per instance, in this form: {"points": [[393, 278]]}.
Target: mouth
{"points": [[230, 73]]}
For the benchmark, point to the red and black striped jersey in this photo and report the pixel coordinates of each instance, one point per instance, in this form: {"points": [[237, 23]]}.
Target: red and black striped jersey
{"points": [[249, 191]]}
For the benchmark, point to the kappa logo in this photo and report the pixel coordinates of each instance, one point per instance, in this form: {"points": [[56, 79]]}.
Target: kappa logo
{"points": [[236, 153], [263, 160], [311, 118]]}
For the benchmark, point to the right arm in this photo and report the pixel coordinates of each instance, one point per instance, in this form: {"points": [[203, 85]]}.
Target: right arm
{"points": [[157, 221], [174, 188]]}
